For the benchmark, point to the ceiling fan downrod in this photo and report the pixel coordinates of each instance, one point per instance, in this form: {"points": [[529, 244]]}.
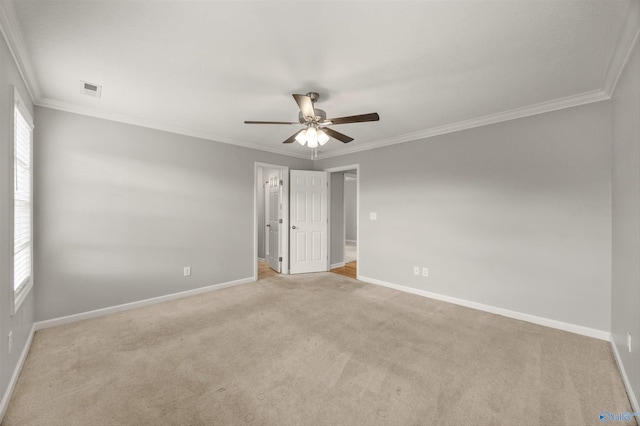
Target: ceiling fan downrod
{"points": [[314, 96]]}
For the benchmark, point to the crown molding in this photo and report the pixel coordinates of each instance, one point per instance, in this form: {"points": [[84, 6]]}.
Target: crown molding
{"points": [[568, 102], [629, 37], [136, 121], [13, 35], [624, 48]]}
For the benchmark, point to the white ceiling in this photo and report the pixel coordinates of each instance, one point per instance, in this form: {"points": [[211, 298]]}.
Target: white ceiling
{"points": [[203, 67]]}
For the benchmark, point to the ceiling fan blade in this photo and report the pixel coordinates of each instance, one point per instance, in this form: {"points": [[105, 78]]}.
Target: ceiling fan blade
{"points": [[270, 122], [292, 137], [336, 135], [356, 118], [305, 104]]}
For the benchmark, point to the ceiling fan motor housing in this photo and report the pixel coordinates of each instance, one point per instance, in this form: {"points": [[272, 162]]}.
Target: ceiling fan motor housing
{"points": [[320, 117]]}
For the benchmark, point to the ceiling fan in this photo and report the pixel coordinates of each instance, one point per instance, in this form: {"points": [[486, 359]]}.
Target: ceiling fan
{"points": [[316, 131]]}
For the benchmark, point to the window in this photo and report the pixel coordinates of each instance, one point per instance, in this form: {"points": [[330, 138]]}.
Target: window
{"points": [[22, 202]]}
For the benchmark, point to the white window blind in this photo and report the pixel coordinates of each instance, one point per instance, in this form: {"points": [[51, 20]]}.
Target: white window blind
{"points": [[22, 223]]}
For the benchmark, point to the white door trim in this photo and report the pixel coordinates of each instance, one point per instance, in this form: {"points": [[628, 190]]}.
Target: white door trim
{"points": [[330, 170], [284, 235]]}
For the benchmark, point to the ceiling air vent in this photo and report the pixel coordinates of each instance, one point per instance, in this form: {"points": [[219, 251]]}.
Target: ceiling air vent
{"points": [[91, 89]]}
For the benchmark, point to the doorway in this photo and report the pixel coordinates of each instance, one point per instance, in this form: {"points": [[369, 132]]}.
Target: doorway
{"points": [[271, 220], [305, 207], [343, 220]]}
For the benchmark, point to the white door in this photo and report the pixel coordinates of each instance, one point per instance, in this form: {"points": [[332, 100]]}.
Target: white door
{"points": [[274, 223], [308, 220]]}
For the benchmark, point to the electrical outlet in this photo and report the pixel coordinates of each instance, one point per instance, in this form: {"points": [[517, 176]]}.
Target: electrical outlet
{"points": [[416, 270], [629, 341], [187, 271], [10, 342], [425, 272]]}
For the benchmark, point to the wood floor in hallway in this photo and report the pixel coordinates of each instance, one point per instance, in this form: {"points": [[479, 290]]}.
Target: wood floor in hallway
{"points": [[264, 271], [348, 270]]}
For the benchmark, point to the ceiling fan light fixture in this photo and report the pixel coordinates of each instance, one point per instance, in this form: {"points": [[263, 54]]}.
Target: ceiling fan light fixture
{"points": [[322, 137], [312, 137], [301, 137]]}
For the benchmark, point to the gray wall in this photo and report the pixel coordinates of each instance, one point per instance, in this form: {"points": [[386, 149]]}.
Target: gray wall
{"points": [[336, 219], [625, 314], [515, 215], [350, 209], [121, 209], [19, 324]]}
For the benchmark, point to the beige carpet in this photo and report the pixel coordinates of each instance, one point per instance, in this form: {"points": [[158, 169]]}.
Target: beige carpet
{"points": [[315, 349]]}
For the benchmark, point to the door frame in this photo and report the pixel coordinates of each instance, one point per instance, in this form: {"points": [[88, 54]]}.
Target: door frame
{"points": [[284, 234], [330, 170]]}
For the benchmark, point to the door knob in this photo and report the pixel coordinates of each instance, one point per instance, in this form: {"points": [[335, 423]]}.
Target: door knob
{"points": [[293, 227]]}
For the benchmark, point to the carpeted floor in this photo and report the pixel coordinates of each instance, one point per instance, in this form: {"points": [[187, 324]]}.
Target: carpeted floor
{"points": [[314, 349]]}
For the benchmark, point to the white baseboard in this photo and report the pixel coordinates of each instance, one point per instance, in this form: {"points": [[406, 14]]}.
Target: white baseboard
{"points": [[127, 306], [261, 259], [547, 322], [337, 265], [351, 241], [625, 379], [16, 373]]}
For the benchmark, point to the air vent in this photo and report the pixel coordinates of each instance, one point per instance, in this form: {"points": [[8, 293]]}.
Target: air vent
{"points": [[91, 89]]}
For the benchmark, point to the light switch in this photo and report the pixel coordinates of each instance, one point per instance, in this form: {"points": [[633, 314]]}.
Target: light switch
{"points": [[373, 216]]}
